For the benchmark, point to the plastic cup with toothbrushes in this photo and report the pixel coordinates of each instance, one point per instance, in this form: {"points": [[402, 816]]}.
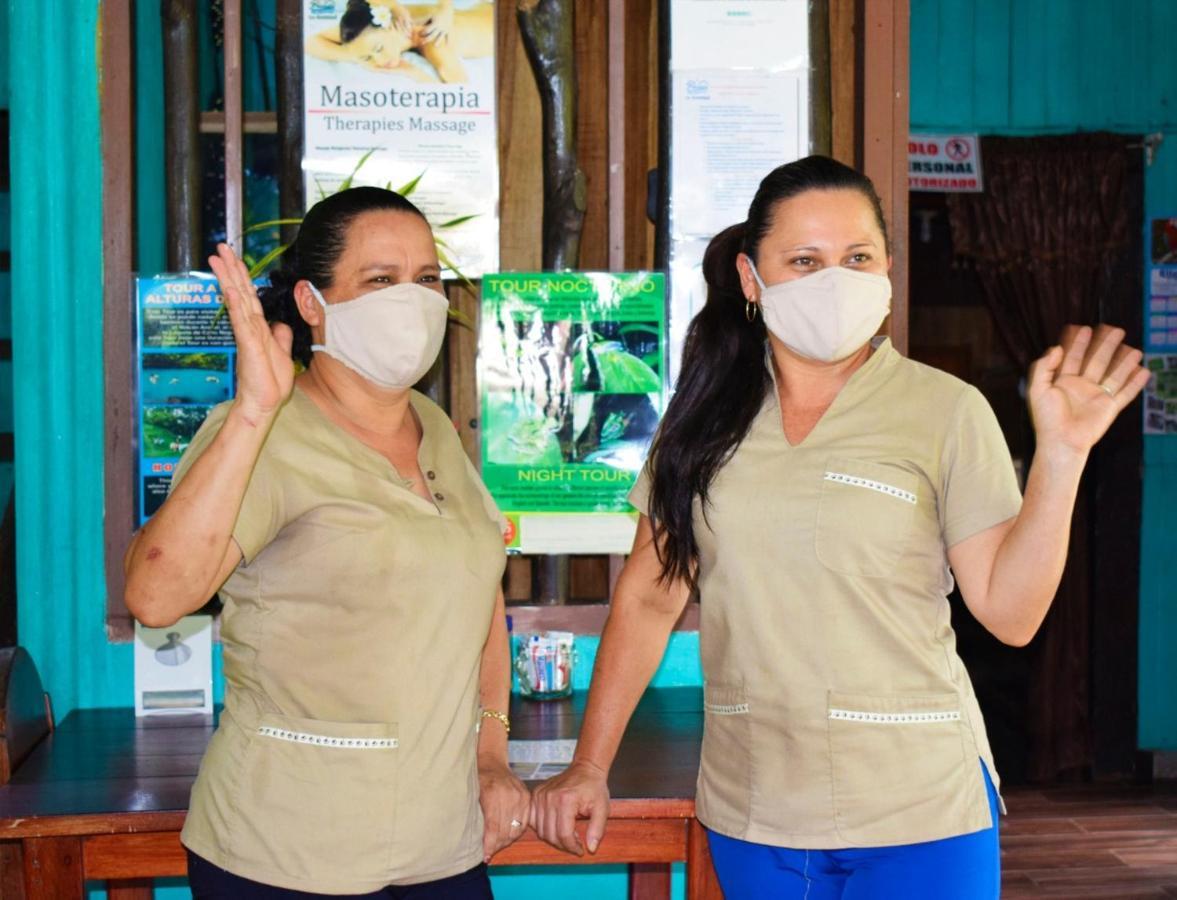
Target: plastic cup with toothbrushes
{"points": [[543, 665]]}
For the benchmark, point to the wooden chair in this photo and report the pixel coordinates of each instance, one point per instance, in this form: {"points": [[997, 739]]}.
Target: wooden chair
{"points": [[26, 714]]}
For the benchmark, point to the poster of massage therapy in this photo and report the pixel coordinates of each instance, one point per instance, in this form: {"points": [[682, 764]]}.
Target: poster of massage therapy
{"points": [[402, 95]]}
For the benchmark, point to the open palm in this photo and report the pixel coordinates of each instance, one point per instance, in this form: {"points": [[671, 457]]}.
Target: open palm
{"points": [[265, 369], [1077, 389]]}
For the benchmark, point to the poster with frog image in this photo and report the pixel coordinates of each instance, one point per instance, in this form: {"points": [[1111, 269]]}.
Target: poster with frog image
{"points": [[572, 380]]}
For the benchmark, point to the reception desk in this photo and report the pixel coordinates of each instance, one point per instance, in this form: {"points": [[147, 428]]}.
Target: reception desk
{"points": [[105, 796]]}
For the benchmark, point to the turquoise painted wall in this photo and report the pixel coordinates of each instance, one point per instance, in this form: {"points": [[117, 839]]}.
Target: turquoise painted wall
{"points": [[1056, 66], [57, 352], [6, 473]]}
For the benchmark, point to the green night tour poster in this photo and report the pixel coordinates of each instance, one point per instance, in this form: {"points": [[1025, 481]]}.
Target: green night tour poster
{"points": [[572, 377]]}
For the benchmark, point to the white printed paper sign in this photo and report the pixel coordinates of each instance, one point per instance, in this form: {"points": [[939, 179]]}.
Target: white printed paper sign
{"points": [[950, 163], [403, 96]]}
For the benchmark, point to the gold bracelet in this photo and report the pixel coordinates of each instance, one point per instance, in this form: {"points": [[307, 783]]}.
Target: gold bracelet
{"points": [[495, 714]]}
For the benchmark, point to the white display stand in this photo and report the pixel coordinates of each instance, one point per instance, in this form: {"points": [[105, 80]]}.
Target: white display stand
{"points": [[173, 668]]}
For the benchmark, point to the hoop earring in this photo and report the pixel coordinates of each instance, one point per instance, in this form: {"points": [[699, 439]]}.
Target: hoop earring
{"points": [[751, 310]]}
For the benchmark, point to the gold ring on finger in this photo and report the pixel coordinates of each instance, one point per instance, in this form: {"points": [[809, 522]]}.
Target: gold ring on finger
{"points": [[1107, 389]]}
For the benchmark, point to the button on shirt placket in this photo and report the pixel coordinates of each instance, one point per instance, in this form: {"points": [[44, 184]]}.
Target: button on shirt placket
{"points": [[437, 495]]}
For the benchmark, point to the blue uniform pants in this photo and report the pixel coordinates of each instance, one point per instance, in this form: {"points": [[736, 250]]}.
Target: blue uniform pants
{"points": [[967, 867]]}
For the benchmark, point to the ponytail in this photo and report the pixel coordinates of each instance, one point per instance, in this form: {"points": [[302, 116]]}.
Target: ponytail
{"points": [[721, 387]]}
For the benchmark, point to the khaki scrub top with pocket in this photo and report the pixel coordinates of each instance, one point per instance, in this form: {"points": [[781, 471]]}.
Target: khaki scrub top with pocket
{"points": [[353, 629], [837, 712]]}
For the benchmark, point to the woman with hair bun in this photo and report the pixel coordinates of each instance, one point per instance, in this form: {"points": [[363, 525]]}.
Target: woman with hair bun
{"points": [[362, 748], [820, 492]]}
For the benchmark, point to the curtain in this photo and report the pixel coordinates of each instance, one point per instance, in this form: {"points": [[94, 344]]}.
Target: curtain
{"points": [[1054, 239]]}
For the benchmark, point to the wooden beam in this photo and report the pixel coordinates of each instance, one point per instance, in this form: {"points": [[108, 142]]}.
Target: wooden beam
{"points": [[593, 141], [820, 124], [885, 120], [648, 880], [462, 344], [702, 882], [118, 317], [53, 868], [640, 135], [181, 134], [153, 854], [844, 101], [260, 122], [649, 840], [288, 61], [616, 158], [234, 139]]}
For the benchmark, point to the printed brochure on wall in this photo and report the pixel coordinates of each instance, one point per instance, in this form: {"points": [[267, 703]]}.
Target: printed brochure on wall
{"points": [[186, 366]]}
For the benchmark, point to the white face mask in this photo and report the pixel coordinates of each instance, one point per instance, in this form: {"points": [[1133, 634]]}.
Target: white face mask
{"points": [[391, 336], [827, 315]]}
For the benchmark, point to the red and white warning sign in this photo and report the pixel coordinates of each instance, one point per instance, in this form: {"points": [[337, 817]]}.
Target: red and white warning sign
{"points": [[944, 162]]}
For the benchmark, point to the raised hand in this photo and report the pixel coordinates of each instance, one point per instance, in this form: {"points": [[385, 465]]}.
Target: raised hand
{"points": [[265, 369], [1077, 389]]}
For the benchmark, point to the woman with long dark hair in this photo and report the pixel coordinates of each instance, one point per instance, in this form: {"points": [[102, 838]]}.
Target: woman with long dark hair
{"points": [[819, 492], [362, 747]]}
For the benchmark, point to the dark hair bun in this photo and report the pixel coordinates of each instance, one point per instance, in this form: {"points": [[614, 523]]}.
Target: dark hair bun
{"points": [[282, 280]]}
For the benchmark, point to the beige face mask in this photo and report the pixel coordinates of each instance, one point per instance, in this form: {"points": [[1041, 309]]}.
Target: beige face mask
{"points": [[391, 336], [827, 315]]}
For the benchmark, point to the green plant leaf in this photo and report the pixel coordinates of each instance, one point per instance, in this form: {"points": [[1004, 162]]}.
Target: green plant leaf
{"points": [[454, 223], [273, 223], [351, 177], [452, 266], [262, 264], [412, 185], [622, 372]]}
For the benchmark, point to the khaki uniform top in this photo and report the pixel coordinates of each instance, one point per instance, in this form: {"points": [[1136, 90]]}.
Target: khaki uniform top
{"points": [[837, 712], [345, 759]]}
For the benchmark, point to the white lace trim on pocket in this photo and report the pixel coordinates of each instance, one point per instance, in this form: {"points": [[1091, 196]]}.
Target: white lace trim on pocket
{"points": [[899, 718], [726, 709], [324, 740], [855, 481]]}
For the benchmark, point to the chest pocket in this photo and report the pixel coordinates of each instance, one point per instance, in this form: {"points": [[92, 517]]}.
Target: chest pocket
{"points": [[865, 516]]}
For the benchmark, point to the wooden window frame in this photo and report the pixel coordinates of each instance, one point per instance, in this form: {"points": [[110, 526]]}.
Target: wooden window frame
{"points": [[118, 319]]}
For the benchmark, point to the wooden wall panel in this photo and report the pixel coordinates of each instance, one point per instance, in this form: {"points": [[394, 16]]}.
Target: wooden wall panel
{"points": [[1042, 66], [520, 174], [592, 128], [844, 106], [641, 127], [885, 133], [118, 314]]}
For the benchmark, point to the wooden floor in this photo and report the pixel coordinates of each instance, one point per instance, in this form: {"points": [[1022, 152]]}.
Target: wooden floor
{"points": [[1090, 841]]}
